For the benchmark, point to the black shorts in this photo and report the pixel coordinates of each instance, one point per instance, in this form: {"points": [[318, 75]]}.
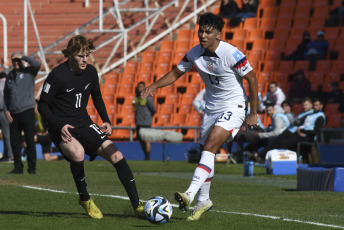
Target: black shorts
{"points": [[90, 136]]}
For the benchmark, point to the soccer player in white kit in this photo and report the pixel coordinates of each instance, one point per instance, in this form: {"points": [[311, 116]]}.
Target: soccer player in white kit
{"points": [[222, 68]]}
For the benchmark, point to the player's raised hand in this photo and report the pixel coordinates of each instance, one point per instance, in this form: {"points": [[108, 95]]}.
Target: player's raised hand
{"points": [[65, 134], [148, 91], [107, 129], [251, 120]]}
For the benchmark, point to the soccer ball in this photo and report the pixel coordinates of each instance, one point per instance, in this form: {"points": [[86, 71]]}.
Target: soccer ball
{"points": [[158, 210]]}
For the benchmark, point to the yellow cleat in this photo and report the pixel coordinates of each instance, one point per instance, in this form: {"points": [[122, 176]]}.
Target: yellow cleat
{"points": [[183, 200], [139, 211], [199, 209], [91, 209]]}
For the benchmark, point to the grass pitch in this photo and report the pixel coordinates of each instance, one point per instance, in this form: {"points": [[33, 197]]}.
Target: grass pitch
{"points": [[48, 200]]}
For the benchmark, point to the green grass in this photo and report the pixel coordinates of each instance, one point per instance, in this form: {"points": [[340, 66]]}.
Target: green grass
{"points": [[236, 198]]}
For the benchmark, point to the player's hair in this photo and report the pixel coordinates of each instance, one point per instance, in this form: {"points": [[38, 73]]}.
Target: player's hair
{"points": [[76, 44], [212, 20], [269, 104], [318, 100], [306, 99], [273, 83], [289, 103], [141, 82]]}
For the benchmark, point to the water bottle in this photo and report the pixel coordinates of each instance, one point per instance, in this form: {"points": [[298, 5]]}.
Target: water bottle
{"points": [[249, 168]]}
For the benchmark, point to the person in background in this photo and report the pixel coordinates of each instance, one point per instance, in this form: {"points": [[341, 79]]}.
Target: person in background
{"points": [[4, 124], [335, 95], [300, 51], [229, 9], [275, 96], [316, 50], [20, 105], [288, 108], [300, 87], [144, 111]]}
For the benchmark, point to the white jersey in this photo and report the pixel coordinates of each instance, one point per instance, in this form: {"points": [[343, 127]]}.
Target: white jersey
{"points": [[222, 73]]}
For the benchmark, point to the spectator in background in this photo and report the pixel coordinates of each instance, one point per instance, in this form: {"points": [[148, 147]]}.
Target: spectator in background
{"points": [[335, 95], [229, 9], [259, 138], [20, 103], [316, 50], [274, 96], [308, 128], [300, 87], [4, 124], [336, 17], [299, 53], [144, 111], [199, 102], [42, 137], [288, 108]]}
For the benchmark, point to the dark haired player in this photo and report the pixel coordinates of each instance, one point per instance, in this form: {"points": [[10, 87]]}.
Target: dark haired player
{"points": [[222, 68], [63, 102]]}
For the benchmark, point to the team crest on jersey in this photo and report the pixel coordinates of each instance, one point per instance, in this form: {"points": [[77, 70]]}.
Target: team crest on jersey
{"points": [[210, 66], [46, 87]]}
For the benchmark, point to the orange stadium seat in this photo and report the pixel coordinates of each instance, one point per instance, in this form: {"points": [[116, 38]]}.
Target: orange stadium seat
{"points": [[288, 3], [301, 22], [148, 56], [297, 108], [108, 98], [164, 57], [277, 44], [331, 108], [263, 88], [259, 44], [193, 88], [240, 35], [270, 66], [254, 55], [187, 99], [296, 33], [146, 67], [304, 3], [172, 98], [337, 66], [178, 119], [271, 55], [112, 78], [185, 109], [166, 108], [112, 108], [163, 120], [125, 90], [291, 45], [128, 78], [166, 90], [255, 34], [167, 46], [267, 3], [334, 120], [145, 77], [284, 23], [286, 67], [264, 77], [240, 44], [317, 22], [267, 23], [269, 12], [162, 68], [316, 80], [131, 67], [286, 11], [323, 66], [320, 11], [184, 35], [126, 109], [109, 89], [280, 77], [281, 33], [332, 76], [331, 32], [250, 23]]}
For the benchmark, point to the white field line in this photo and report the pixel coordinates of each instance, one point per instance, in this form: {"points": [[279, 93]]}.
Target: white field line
{"points": [[228, 212]]}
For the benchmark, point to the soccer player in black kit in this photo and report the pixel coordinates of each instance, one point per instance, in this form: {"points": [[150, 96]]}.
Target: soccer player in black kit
{"points": [[63, 102]]}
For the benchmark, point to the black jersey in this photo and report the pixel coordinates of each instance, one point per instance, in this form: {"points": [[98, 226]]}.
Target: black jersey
{"points": [[65, 96]]}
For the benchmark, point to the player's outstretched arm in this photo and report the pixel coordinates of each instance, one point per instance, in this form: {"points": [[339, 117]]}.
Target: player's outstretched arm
{"points": [[251, 119], [166, 80]]}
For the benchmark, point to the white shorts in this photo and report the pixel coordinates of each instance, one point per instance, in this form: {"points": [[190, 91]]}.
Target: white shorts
{"points": [[231, 119]]}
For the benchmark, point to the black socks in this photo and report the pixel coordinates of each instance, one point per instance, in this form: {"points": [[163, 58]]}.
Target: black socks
{"points": [[125, 175], [77, 169]]}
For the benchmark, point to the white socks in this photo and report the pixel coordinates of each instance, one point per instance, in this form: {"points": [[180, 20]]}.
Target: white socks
{"points": [[202, 177]]}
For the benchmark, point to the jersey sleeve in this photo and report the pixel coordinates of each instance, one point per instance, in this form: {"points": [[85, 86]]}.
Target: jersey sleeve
{"points": [[50, 88], [98, 100], [239, 62], [185, 64]]}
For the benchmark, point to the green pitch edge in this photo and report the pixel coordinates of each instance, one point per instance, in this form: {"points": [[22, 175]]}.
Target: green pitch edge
{"points": [[268, 181]]}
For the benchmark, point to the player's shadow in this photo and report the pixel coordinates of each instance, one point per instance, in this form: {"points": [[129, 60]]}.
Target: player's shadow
{"points": [[58, 214]]}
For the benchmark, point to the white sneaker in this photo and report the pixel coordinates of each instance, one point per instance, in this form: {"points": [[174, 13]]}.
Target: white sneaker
{"points": [[199, 209]]}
